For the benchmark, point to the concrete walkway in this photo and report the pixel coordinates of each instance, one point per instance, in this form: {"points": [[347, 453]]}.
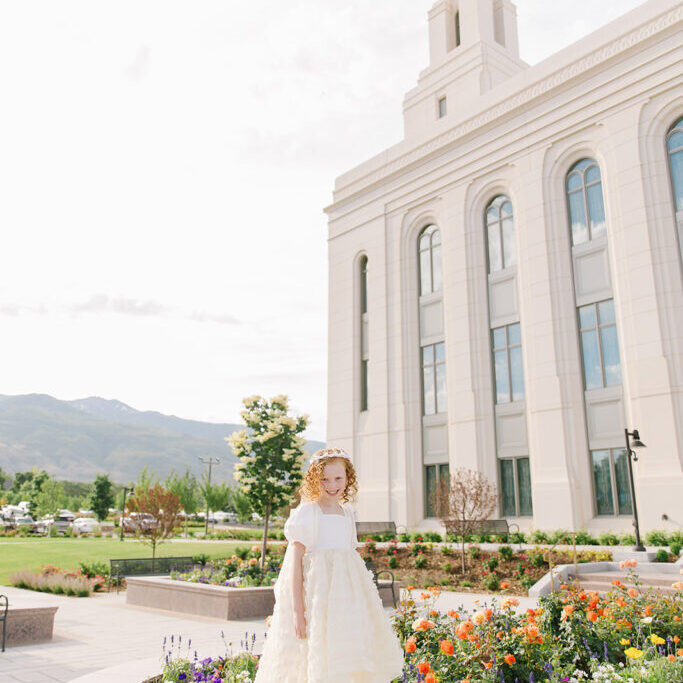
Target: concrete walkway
{"points": [[103, 640]]}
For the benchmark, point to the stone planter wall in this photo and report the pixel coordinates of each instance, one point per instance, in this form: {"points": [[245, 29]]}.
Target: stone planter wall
{"points": [[29, 625], [199, 598]]}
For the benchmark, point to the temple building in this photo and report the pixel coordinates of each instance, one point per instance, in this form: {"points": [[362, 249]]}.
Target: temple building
{"points": [[506, 283]]}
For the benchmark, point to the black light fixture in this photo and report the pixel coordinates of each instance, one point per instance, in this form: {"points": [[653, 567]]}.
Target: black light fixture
{"points": [[630, 453]]}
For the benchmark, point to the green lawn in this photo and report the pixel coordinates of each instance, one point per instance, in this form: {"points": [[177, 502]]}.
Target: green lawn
{"points": [[33, 553]]}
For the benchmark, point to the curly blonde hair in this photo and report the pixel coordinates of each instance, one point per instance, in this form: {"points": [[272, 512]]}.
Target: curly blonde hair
{"points": [[312, 483]]}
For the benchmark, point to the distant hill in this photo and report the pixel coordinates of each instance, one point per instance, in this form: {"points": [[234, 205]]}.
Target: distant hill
{"points": [[78, 439]]}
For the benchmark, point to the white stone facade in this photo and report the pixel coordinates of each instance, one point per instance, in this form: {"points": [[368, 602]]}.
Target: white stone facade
{"points": [[480, 124]]}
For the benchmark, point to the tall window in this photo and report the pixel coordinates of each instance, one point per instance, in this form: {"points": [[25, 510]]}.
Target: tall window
{"points": [[434, 474], [599, 345], [674, 143], [611, 482], [515, 487], [434, 397], [430, 260], [507, 363], [586, 208], [500, 231], [364, 333], [457, 29]]}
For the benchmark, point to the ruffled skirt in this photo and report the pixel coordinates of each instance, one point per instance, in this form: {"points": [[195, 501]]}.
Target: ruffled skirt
{"points": [[349, 638]]}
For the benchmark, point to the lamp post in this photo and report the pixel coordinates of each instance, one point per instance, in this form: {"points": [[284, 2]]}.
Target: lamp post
{"points": [[210, 462], [630, 453], [126, 489]]}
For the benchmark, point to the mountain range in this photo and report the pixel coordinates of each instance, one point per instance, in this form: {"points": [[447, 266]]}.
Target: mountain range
{"points": [[76, 440]]}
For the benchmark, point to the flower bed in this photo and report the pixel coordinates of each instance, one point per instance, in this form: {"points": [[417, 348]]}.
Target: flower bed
{"points": [[51, 579], [424, 564], [573, 636], [236, 571]]}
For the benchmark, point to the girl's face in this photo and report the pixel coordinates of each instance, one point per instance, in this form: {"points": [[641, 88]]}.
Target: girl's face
{"points": [[333, 483]]}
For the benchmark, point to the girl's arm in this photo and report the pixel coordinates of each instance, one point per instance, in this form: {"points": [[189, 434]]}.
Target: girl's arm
{"points": [[298, 550]]}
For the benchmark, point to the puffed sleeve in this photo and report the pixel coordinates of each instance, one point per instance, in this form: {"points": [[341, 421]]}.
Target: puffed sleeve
{"points": [[299, 526]]}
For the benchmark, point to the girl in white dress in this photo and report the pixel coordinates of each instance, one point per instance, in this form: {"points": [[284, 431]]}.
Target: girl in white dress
{"points": [[328, 625]]}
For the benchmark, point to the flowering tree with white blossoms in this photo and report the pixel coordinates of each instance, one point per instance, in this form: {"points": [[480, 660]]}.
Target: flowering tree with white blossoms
{"points": [[271, 456]]}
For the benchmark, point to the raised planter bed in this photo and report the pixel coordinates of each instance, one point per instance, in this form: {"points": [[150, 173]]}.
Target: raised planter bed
{"points": [[29, 625], [206, 600]]}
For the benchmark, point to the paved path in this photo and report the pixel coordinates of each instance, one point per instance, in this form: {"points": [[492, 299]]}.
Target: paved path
{"points": [[103, 640]]}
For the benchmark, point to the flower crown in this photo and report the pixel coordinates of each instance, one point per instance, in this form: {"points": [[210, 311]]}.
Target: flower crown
{"points": [[329, 453]]}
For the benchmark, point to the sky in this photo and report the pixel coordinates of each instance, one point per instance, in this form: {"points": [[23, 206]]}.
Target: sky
{"points": [[164, 166]]}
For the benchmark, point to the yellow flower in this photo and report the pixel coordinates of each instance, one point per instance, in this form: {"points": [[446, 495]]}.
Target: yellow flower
{"points": [[633, 653], [624, 641], [657, 640]]}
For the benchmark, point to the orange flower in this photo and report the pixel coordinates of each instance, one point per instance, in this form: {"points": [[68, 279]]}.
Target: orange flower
{"points": [[423, 668], [567, 612], [462, 629], [582, 596], [671, 658], [410, 588], [648, 611], [677, 618], [616, 582], [410, 645], [680, 652], [430, 678], [564, 586], [504, 585], [592, 616], [632, 592], [509, 659], [453, 614], [433, 612], [446, 647], [509, 602], [488, 665], [422, 625], [627, 563], [676, 639]]}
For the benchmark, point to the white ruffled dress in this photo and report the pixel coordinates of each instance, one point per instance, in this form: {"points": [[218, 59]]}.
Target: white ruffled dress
{"points": [[349, 638]]}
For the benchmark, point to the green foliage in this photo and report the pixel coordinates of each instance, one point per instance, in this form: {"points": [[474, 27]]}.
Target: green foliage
{"points": [[446, 550], [404, 538], [492, 563], [102, 497], [393, 562], [675, 549], [662, 556], [93, 569], [241, 504], [447, 567], [538, 536], [492, 582], [216, 496], [433, 537], [536, 558], [186, 488], [474, 551], [657, 537], [584, 538], [146, 479], [5, 480], [49, 497], [560, 536], [608, 538], [466, 584], [420, 561], [506, 552], [200, 559]]}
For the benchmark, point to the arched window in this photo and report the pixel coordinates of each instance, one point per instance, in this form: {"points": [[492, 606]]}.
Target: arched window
{"points": [[674, 144], [500, 229], [586, 207], [429, 246], [364, 355]]}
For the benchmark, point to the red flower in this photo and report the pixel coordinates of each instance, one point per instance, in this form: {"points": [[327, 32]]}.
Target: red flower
{"points": [[509, 659], [423, 667]]}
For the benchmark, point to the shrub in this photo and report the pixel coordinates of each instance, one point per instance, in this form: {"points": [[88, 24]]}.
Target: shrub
{"points": [[662, 556], [657, 537], [517, 537], [420, 561], [675, 548], [492, 563], [584, 538], [474, 551], [444, 582], [561, 537], [388, 537], [404, 538], [538, 536], [608, 538], [492, 582], [481, 538], [627, 539], [536, 559], [446, 550], [201, 559], [506, 552], [52, 582], [447, 567], [393, 562], [466, 584], [527, 582], [93, 569], [433, 536]]}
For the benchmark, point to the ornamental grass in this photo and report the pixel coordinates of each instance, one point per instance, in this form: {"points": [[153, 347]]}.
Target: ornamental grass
{"points": [[574, 635], [53, 580]]}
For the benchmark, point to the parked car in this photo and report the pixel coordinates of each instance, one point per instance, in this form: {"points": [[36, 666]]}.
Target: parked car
{"points": [[63, 522], [85, 525], [26, 522], [138, 521]]}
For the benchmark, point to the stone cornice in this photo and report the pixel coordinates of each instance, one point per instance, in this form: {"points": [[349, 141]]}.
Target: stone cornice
{"points": [[560, 77]]}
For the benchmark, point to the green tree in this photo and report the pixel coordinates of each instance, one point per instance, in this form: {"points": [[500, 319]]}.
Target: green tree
{"points": [[271, 456], [187, 490], [102, 497], [5, 480], [146, 479], [240, 503], [216, 496], [49, 498]]}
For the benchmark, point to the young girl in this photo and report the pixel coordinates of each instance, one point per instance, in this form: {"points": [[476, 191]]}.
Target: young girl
{"points": [[328, 625]]}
